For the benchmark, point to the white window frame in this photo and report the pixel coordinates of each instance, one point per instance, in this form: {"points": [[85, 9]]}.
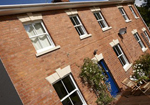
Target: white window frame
{"points": [[133, 12], [136, 35], [81, 27], [146, 34], [101, 20], [75, 90], [121, 55], [122, 11], [46, 49]]}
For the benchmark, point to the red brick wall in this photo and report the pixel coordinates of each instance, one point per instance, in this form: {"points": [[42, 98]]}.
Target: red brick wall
{"points": [[28, 72]]}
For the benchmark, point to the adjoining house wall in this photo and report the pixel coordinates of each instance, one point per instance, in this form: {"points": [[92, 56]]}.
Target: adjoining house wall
{"points": [[8, 94], [28, 72]]}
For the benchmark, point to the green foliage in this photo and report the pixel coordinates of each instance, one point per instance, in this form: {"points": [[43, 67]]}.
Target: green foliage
{"points": [[92, 76], [141, 67], [145, 13]]}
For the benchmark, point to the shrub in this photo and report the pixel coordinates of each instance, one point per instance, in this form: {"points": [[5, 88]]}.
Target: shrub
{"points": [[141, 67]]}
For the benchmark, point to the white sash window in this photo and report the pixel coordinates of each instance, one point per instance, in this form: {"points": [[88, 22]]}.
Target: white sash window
{"points": [[39, 36]]}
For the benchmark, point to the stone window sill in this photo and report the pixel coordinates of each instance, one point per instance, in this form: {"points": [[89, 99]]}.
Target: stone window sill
{"points": [[136, 17], [144, 49], [127, 67], [85, 36], [107, 28], [127, 21], [48, 50]]}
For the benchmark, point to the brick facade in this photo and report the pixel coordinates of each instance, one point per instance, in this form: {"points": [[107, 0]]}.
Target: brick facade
{"points": [[28, 72]]}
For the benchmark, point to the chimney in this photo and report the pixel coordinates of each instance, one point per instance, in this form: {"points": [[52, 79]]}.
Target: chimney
{"points": [[54, 1]]}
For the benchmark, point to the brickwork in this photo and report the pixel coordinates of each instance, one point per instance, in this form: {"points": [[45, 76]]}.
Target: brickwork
{"points": [[28, 72]]}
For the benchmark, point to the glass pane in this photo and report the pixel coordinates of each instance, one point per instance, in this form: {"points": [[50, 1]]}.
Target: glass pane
{"points": [[73, 21], [79, 30], [136, 37], [147, 35], [118, 50], [60, 89], [133, 12], [125, 17], [99, 16], [120, 9], [76, 20], [29, 30], [36, 43], [121, 58], [75, 99], [68, 84], [39, 28], [141, 44], [44, 41], [102, 24], [67, 102]]}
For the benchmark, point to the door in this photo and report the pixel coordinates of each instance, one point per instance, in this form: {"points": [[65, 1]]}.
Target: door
{"points": [[109, 78]]}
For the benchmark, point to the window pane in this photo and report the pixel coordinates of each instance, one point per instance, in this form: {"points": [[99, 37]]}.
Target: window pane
{"points": [[121, 58], [60, 89], [147, 35], [75, 99], [80, 30], [29, 30], [44, 41], [72, 21], [39, 28], [102, 24], [125, 17], [36, 43], [118, 50], [141, 44], [121, 11], [99, 16], [133, 12], [68, 83], [67, 102], [95, 14], [136, 37], [76, 20]]}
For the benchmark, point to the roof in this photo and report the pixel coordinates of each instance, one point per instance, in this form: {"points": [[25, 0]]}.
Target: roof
{"points": [[24, 8]]}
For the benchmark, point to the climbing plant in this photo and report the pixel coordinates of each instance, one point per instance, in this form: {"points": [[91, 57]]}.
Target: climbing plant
{"points": [[92, 76]]}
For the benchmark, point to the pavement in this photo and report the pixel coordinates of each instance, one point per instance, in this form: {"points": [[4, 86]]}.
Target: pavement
{"points": [[126, 98]]}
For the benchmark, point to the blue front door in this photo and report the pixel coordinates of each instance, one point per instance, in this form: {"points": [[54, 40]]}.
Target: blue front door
{"points": [[109, 78]]}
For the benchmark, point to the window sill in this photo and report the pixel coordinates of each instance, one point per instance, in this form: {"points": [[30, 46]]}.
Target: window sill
{"points": [[107, 28], [144, 49], [85, 36], [126, 67], [127, 21], [48, 50], [136, 17]]}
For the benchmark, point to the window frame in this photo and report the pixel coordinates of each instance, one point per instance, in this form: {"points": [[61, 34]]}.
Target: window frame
{"points": [[146, 34], [139, 41], [124, 14], [73, 91], [52, 45], [121, 55], [80, 25], [101, 20], [133, 12]]}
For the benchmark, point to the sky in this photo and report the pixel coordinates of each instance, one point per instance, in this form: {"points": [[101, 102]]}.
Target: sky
{"points": [[10, 2]]}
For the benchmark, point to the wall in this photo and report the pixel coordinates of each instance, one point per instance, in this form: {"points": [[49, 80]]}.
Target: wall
{"points": [[28, 72]]}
